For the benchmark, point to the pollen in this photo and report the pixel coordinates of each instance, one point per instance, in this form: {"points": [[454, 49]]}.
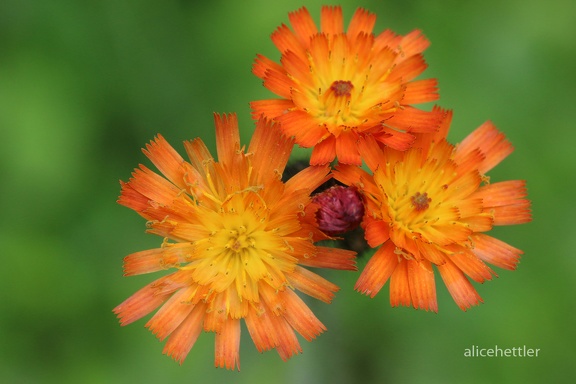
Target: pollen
{"points": [[420, 201]]}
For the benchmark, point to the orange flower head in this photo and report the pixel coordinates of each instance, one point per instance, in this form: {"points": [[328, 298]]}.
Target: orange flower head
{"points": [[336, 86], [238, 240], [430, 206]]}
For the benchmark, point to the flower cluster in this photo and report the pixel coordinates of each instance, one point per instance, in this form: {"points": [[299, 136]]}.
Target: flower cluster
{"points": [[239, 235]]}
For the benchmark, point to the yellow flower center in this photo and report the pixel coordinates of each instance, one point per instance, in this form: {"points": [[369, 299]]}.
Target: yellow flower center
{"points": [[238, 239], [347, 92], [335, 106], [410, 210], [240, 252], [421, 200]]}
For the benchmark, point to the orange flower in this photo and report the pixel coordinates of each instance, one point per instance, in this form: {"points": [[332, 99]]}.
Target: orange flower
{"points": [[238, 239], [336, 86], [430, 206]]}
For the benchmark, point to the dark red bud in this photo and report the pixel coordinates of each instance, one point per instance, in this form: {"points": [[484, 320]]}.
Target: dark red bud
{"points": [[341, 209]]}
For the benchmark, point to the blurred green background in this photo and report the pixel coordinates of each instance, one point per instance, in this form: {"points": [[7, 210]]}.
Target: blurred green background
{"points": [[85, 84]]}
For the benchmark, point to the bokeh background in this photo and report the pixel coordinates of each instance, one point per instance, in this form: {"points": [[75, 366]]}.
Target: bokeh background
{"points": [[85, 84]]}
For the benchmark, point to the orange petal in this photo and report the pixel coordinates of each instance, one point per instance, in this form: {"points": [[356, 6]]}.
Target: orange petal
{"points": [[216, 315], [512, 214], [141, 303], [184, 337], [376, 231], [150, 185], [353, 175], [400, 286], [324, 152], [308, 179], [444, 127], [479, 223], [381, 65], [400, 141], [470, 162], [502, 193], [227, 345], [422, 287], [424, 140], [133, 199], [319, 55], [288, 344], [468, 263], [361, 46], [312, 284], [496, 252], [285, 40], [303, 25], [285, 340], [469, 207], [300, 317], [153, 260], [302, 127], [334, 258], [464, 186], [491, 142], [371, 152], [270, 151], [387, 39], [227, 137], [175, 228], [505, 201], [408, 69], [413, 43], [415, 120], [447, 233], [347, 148], [285, 224], [167, 160], [270, 108], [171, 283], [431, 252], [331, 20], [404, 241], [279, 83], [171, 314], [378, 270], [339, 51], [298, 68], [347, 174], [200, 158], [362, 22], [262, 65], [421, 91], [458, 285], [261, 327]]}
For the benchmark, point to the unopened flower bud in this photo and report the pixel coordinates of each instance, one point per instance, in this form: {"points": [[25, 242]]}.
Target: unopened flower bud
{"points": [[341, 209]]}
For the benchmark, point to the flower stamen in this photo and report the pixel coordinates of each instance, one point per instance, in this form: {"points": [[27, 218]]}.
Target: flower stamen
{"points": [[421, 202], [342, 88]]}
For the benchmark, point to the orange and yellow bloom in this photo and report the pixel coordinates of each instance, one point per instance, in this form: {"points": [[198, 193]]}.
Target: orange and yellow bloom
{"points": [[337, 86], [428, 207], [238, 240]]}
